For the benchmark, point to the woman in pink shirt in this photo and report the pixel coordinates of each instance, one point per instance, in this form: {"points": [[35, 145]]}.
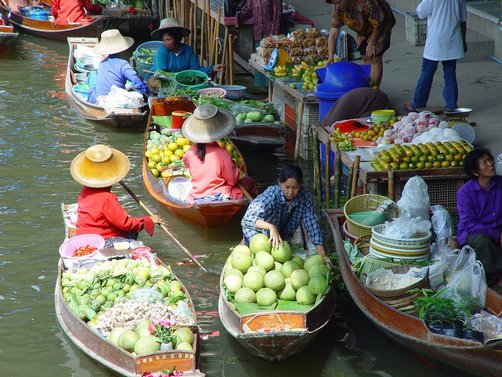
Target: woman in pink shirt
{"points": [[211, 167]]}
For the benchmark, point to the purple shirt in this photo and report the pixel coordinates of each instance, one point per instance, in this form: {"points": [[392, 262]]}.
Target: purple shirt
{"points": [[480, 210], [115, 71]]}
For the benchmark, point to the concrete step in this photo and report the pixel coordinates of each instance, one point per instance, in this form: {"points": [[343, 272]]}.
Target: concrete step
{"points": [[479, 47]]}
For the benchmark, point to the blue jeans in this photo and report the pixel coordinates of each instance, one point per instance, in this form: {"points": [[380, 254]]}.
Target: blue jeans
{"points": [[424, 84]]}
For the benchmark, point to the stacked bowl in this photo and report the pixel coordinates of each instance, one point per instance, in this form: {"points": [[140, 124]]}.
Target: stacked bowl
{"points": [[409, 249]]}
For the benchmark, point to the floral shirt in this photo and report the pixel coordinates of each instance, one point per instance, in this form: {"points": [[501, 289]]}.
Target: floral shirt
{"points": [[364, 16], [271, 206], [266, 16]]}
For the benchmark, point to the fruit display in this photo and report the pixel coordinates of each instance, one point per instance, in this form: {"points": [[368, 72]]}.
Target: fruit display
{"points": [[271, 277], [422, 156], [375, 132], [343, 140], [251, 111]]}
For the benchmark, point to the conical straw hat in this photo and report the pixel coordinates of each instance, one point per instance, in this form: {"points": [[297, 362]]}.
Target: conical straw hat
{"points": [[169, 24], [99, 166], [112, 42], [207, 124]]}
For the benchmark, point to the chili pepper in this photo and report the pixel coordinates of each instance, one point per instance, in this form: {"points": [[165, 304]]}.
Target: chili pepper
{"points": [[84, 250]]}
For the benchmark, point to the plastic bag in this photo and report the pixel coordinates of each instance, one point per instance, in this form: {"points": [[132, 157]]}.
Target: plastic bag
{"points": [[467, 280], [415, 198], [442, 223], [406, 227], [121, 98], [151, 295]]}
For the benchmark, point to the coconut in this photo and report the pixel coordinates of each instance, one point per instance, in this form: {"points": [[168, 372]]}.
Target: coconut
{"points": [[304, 296], [233, 283], [241, 261], [265, 260], [274, 280], [245, 294], [312, 261], [266, 297], [259, 242], [253, 280], [282, 253], [299, 278]]}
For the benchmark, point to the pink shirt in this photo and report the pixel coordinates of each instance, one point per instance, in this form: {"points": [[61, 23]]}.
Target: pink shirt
{"points": [[217, 174]]}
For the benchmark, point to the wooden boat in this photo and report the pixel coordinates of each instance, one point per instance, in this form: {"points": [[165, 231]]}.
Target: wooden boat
{"points": [[411, 332], [275, 335], [7, 36], [117, 117], [118, 360], [210, 214], [264, 136]]}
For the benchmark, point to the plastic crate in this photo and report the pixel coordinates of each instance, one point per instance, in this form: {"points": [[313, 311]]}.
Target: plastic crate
{"points": [[416, 29]]}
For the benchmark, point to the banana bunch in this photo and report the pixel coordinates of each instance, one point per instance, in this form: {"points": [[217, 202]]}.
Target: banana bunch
{"points": [[343, 140], [280, 71]]}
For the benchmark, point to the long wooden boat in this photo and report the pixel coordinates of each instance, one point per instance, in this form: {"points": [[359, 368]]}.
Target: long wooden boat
{"points": [[118, 360], [411, 332], [119, 118], [275, 335], [263, 136], [209, 214], [7, 36]]}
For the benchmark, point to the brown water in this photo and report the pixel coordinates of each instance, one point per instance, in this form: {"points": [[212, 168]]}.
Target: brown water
{"points": [[39, 137]]}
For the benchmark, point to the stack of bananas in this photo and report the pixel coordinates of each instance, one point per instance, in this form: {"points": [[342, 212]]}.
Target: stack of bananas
{"points": [[306, 73], [280, 71], [343, 140]]}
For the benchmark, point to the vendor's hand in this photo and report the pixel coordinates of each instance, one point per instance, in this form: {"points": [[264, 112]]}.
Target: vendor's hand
{"points": [[219, 67], [322, 253], [370, 50], [157, 219], [328, 62], [275, 237]]}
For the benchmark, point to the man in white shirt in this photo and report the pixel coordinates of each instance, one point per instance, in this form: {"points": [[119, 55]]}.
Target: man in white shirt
{"points": [[446, 43]]}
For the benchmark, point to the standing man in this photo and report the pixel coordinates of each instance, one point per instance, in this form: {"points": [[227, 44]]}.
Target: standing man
{"points": [[446, 43]]}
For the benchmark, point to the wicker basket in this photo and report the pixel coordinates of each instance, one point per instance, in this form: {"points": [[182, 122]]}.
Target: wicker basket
{"points": [[367, 202], [363, 244]]}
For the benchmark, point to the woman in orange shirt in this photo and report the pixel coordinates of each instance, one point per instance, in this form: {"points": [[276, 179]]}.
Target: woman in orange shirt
{"points": [[212, 170], [99, 212], [73, 11]]}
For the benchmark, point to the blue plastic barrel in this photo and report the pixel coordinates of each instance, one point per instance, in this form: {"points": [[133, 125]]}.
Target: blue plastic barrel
{"points": [[38, 13]]}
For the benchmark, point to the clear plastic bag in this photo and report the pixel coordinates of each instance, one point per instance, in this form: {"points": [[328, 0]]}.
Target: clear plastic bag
{"points": [[441, 223], [406, 227], [415, 198], [150, 295]]}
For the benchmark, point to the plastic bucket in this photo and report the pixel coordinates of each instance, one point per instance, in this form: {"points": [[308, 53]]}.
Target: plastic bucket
{"points": [[179, 117]]}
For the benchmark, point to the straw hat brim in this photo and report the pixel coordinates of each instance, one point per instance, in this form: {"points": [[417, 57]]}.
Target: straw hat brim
{"points": [[157, 34], [100, 174], [106, 48], [209, 130]]}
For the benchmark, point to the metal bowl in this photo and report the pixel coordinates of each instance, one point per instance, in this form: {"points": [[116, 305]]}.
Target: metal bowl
{"points": [[458, 111]]}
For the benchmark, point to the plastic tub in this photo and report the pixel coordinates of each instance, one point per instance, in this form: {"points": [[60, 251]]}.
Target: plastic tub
{"points": [[379, 116], [68, 247], [234, 92], [201, 77]]}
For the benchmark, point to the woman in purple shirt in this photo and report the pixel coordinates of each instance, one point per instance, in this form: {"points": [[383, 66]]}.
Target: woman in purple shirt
{"points": [[112, 70], [479, 205]]}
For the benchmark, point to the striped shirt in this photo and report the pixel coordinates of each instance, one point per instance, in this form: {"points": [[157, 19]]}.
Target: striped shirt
{"points": [[271, 206]]}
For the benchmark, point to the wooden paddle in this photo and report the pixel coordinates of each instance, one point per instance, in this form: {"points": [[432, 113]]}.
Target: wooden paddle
{"points": [[164, 228]]}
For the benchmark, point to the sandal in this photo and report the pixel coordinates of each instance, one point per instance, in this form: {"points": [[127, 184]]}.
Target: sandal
{"points": [[408, 107]]}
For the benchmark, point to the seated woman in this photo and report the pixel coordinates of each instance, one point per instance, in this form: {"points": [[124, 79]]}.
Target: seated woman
{"points": [[99, 212], [211, 167], [479, 205], [74, 11], [114, 70], [281, 209], [174, 55]]}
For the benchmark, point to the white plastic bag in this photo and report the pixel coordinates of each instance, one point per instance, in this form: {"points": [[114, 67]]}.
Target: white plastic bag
{"points": [[406, 227], [121, 98], [415, 198]]}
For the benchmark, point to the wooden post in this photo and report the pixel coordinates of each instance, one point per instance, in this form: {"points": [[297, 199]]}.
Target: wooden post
{"points": [[203, 18], [317, 169], [231, 59], [224, 54], [299, 129], [390, 184], [337, 171], [355, 172], [327, 177]]}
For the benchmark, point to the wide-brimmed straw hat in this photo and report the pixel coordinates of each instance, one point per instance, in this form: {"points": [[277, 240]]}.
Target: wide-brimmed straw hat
{"points": [[169, 24], [112, 42], [208, 124], [99, 166]]}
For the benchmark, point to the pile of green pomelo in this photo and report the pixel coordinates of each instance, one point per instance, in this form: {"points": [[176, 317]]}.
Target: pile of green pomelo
{"points": [[263, 274]]}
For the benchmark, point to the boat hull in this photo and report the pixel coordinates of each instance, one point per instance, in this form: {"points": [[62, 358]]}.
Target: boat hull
{"points": [[7, 36], [262, 136], [411, 332]]}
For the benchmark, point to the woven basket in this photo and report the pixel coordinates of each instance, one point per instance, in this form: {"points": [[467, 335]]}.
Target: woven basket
{"points": [[420, 242], [363, 244], [367, 202], [349, 235]]}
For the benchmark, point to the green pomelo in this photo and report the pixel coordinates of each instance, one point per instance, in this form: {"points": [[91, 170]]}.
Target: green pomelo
{"points": [[183, 346], [282, 253], [175, 285], [299, 278], [304, 296], [274, 280], [245, 294], [277, 266], [241, 261], [317, 284], [232, 271], [241, 248], [115, 335], [265, 260], [312, 261], [127, 340], [318, 269], [253, 280], [147, 344], [266, 297], [259, 242], [233, 283], [184, 334], [142, 327], [288, 293], [260, 269], [288, 267], [298, 260]]}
